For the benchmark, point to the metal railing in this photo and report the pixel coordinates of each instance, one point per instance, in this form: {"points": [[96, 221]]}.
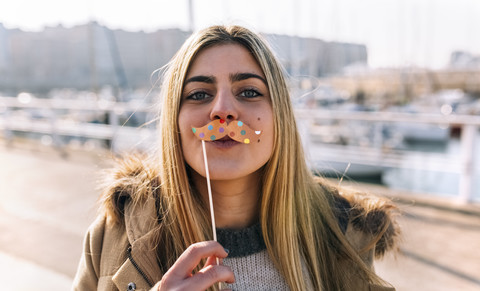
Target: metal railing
{"points": [[377, 154], [54, 121], [52, 117]]}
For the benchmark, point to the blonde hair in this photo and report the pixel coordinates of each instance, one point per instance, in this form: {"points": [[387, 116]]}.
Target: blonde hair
{"points": [[296, 216]]}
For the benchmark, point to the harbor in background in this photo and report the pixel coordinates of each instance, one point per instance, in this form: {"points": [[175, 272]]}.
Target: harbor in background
{"points": [[421, 147]]}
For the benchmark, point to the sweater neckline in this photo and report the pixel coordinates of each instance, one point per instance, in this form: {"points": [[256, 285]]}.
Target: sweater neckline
{"points": [[249, 240], [242, 242]]}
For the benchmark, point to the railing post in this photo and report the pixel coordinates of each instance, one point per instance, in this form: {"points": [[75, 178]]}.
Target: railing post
{"points": [[468, 137], [57, 142], [304, 126], [377, 134], [114, 122], [7, 132]]}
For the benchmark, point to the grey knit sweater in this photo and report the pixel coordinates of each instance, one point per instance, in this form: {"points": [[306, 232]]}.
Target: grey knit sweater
{"points": [[249, 260]]}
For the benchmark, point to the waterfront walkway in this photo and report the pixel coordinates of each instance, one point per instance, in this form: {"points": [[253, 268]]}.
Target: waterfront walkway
{"points": [[47, 200]]}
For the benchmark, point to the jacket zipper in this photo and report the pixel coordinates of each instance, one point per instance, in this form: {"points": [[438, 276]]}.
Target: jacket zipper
{"points": [[130, 257]]}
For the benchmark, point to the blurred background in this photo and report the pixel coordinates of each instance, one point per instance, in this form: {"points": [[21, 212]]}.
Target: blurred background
{"points": [[386, 93]]}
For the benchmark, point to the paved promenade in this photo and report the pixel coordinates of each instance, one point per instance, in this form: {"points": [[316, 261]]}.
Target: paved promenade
{"points": [[47, 201]]}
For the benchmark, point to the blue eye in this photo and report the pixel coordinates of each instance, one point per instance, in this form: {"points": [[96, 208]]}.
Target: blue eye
{"points": [[250, 93], [198, 96]]}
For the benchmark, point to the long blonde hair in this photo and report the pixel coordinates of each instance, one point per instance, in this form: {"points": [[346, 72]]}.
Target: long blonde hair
{"points": [[298, 224]]}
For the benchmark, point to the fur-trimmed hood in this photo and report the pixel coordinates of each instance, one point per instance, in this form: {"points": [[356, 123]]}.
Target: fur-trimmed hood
{"points": [[371, 227]]}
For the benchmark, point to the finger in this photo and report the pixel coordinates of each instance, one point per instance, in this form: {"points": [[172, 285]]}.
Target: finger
{"points": [[213, 261], [193, 254], [210, 275]]}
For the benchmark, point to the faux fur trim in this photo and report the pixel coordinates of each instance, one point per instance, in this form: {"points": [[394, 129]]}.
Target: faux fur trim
{"points": [[136, 177], [375, 216]]}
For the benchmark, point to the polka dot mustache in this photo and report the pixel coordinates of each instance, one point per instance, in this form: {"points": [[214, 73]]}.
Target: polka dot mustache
{"points": [[236, 130]]}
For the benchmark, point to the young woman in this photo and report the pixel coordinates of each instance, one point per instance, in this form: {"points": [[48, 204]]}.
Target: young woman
{"points": [[279, 227]]}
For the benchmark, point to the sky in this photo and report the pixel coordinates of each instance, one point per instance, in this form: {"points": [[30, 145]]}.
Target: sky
{"points": [[397, 32]]}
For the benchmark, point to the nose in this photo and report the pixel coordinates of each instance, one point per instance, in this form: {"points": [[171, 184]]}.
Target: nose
{"points": [[224, 106]]}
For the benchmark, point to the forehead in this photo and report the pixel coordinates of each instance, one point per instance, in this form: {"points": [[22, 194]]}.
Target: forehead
{"points": [[224, 58]]}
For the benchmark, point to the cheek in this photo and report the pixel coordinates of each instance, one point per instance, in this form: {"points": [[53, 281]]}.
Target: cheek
{"points": [[269, 125], [185, 135], [265, 145], [190, 152], [185, 123], [182, 120]]}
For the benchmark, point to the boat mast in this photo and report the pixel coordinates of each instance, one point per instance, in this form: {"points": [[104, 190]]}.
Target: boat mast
{"points": [[191, 23]]}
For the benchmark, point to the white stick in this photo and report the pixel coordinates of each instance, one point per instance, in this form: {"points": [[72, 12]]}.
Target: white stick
{"points": [[210, 200]]}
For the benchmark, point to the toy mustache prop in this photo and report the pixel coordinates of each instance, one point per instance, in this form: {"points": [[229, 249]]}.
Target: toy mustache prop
{"points": [[236, 130]]}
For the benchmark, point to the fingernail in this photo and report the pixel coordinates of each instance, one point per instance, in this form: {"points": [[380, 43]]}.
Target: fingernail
{"points": [[226, 250]]}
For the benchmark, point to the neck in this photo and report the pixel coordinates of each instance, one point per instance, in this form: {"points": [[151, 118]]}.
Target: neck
{"points": [[235, 202]]}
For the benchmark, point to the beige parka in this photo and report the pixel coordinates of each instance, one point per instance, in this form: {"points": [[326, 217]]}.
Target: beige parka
{"points": [[120, 255]]}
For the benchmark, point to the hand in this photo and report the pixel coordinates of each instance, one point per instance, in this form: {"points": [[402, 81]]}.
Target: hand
{"points": [[180, 277]]}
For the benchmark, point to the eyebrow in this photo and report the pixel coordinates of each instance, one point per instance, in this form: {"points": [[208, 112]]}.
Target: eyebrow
{"points": [[202, 79], [244, 76], [233, 78]]}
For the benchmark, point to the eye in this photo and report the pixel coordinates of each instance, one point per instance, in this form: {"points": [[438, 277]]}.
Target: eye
{"points": [[250, 93], [200, 95]]}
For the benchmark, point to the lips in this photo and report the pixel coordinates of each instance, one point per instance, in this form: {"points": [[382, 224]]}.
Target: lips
{"points": [[225, 142], [225, 138]]}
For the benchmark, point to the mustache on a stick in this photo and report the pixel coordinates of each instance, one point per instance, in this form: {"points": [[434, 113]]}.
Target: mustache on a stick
{"points": [[218, 128]]}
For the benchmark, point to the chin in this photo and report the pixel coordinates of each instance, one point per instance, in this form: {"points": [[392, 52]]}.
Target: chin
{"points": [[233, 173]]}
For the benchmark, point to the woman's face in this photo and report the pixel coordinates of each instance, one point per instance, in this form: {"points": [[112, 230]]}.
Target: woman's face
{"points": [[225, 82]]}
